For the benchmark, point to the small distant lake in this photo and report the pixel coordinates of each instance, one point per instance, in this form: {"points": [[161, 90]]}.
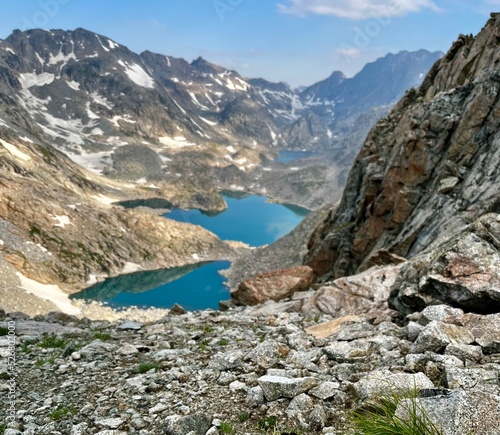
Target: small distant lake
{"points": [[249, 219], [291, 156]]}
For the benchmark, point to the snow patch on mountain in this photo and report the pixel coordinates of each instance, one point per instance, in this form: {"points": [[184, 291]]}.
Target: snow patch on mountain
{"points": [[29, 80], [73, 85], [54, 60], [15, 151], [175, 142], [137, 74]]}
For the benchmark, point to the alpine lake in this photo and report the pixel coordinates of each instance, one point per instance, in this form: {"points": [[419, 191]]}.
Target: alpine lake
{"points": [[249, 219]]}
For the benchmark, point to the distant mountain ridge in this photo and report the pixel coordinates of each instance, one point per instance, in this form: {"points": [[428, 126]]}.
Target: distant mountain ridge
{"points": [[89, 96]]}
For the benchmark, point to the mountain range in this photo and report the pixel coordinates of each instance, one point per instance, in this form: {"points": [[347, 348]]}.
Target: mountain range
{"points": [[123, 114]]}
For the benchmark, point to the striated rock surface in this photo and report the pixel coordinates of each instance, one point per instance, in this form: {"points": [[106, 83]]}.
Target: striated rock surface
{"points": [[362, 294], [462, 272], [427, 170], [463, 413], [274, 286]]}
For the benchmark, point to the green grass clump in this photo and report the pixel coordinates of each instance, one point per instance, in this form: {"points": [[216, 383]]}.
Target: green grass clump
{"points": [[226, 428], [243, 417], [268, 423], [3, 331], [203, 345], [39, 362], [60, 412], [3, 426], [223, 342], [25, 346], [103, 336], [53, 342], [146, 367], [378, 417]]}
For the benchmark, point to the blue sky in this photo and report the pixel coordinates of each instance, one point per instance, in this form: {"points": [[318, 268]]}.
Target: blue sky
{"points": [[296, 41]]}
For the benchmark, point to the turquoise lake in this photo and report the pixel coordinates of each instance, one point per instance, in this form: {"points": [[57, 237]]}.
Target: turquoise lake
{"points": [[291, 156], [195, 287], [249, 219]]}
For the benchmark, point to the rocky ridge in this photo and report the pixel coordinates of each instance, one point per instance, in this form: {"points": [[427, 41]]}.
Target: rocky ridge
{"points": [[427, 170]]}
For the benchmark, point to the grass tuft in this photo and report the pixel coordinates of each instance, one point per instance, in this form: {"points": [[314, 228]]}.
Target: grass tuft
{"points": [[243, 417], [268, 423], [103, 336], [3, 331], [146, 367], [60, 412], [378, 417], [226, 428], [53, 342]]}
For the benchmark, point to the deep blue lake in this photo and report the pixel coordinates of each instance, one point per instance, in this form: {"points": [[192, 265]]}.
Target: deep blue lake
{"points": [[291, 156], [249, 219], [195, 287]]}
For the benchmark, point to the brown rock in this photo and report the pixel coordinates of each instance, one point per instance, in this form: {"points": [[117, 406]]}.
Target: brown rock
{"points": [[381, 258], [17, 260], [485, 329], [274, 286], [462, 272]]}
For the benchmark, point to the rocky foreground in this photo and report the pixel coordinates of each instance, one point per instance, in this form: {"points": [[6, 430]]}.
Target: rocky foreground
{"points": [[249, 371]]}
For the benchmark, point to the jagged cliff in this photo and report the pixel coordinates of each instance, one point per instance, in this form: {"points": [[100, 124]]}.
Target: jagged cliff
{"points": [[427, 170]]}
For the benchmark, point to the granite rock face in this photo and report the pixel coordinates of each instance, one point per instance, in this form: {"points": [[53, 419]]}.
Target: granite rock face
{"points": [[399, 195], [462, 272], [362, 294]]}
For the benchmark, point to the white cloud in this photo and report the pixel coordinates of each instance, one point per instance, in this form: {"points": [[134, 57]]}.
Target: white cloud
{"points": [[356, 9], [351, 53]]}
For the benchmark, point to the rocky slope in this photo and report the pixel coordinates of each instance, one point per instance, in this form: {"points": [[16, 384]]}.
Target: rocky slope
{"points": [[426, 170], [57, 227], [248, 371]]}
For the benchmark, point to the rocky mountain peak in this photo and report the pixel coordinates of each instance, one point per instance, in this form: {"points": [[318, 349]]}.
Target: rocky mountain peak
{"points": [[467, 61], [206, 67], [425, 171]]}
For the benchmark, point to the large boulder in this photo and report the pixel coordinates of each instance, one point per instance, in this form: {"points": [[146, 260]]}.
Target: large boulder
{"points": [[274, 286], [463, 412], [381, 382], [462, 272], [485, 329], [363, 294]]}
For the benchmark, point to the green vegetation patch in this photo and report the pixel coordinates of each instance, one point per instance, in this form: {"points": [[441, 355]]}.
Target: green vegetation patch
{"points": [[146, 367], [53, 342], [227, 428], [61, 411], [378, 417]]}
